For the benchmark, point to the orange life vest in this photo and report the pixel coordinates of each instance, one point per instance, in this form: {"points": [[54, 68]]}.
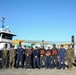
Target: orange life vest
{"points": [[48, 53], [54, 52], [42, 52]]}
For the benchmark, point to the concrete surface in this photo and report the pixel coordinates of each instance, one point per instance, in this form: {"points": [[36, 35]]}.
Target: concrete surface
{"points": [[43, 71]]}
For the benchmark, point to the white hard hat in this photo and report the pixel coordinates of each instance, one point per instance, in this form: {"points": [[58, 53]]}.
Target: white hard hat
{"points": [[34, 46], [48, 46], [39, 46]]}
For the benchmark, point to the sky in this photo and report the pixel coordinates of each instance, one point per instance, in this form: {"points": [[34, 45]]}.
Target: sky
{"points": [[50, 20]]}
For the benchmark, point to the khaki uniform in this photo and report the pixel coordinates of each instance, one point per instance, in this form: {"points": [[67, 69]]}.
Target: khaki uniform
{"points": [[69, 57], [12, 57], [4, 58]]}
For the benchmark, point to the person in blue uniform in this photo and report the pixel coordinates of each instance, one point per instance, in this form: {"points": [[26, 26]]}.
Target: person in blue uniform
{"points": [[62, 56], [24, 56], [20, 52], [36, 54]]}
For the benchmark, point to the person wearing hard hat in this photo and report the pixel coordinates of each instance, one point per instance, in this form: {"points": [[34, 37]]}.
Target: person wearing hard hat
{"points": [[42, 57], [54, 52], [48, 58], [36, 55], [28, 54], [24, 56]]}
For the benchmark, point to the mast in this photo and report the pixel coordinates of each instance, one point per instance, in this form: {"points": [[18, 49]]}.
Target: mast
{"points": [[72, 41], [2, 20]]}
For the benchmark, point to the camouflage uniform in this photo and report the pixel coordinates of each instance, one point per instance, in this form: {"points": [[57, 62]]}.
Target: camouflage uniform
{"points": [[4, 58], [69, 57], [12, 57]]}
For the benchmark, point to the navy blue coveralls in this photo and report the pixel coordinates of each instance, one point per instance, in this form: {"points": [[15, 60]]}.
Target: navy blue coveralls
{"points": [[36, 54], [20, 52], [61, 54]]}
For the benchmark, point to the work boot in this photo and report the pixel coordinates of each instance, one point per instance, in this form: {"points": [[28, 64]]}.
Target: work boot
{"points": [[4, 67], [70, 69]]}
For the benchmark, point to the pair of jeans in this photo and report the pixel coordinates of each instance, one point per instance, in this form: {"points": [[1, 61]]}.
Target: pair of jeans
{"points": [[19, 59], [48, 62], [62, 63], [36, 62]]}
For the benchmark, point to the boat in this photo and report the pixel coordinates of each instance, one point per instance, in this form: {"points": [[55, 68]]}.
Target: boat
{"points": [[5, 38]]}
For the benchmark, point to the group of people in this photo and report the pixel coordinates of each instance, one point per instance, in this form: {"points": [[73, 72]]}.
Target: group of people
{"points": [[39, 57]]}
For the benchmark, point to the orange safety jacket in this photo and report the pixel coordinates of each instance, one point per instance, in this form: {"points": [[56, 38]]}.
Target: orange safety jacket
{"points": [[42, 52], [54, 51], [48, 53]]}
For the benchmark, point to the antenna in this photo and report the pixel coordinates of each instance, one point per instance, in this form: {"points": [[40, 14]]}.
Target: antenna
{"points": [[1, 14], [3, 20]]}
